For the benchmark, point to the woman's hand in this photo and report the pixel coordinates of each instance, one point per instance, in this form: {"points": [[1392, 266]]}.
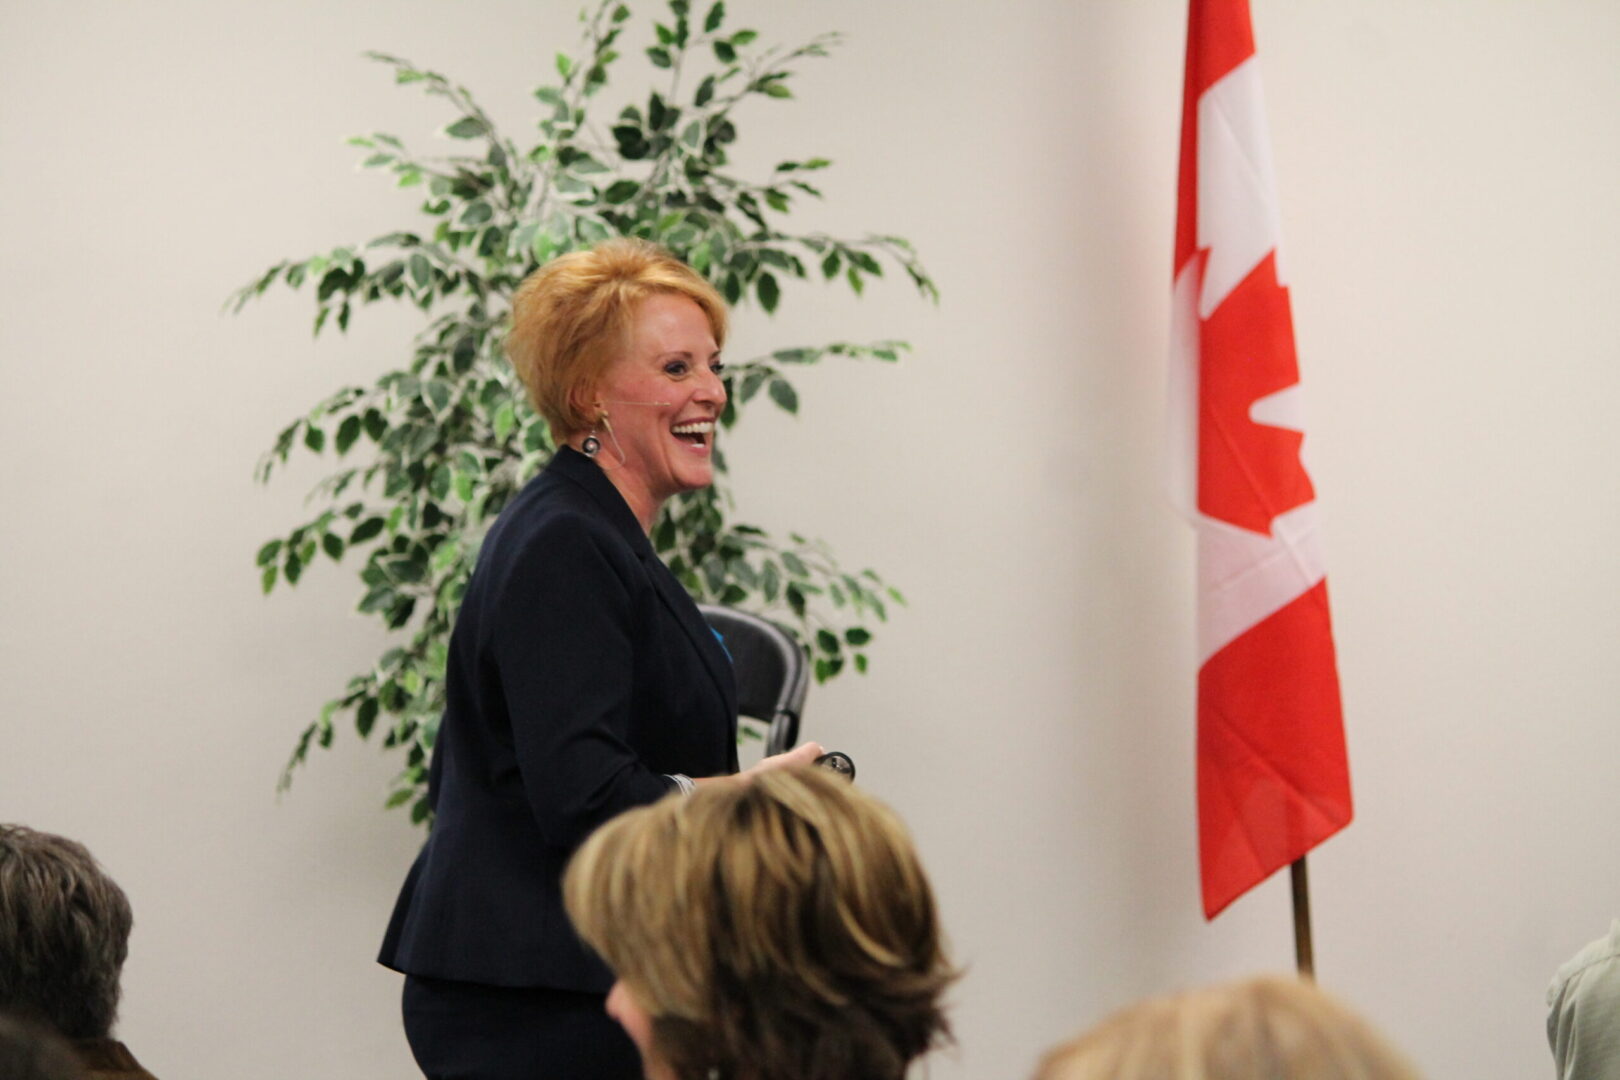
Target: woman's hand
{"points": [[798, 757]]}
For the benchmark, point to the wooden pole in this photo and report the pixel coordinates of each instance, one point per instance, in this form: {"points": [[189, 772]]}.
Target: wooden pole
{"points": [[1304, 957]]}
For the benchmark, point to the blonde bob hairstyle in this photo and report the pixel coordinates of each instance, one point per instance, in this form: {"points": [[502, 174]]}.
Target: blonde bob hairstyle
{"points": [[1268, 1026], [572, 317], [781, 928]]}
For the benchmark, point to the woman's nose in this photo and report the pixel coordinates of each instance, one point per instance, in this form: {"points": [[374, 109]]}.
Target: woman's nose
{"points": [[712, 388]]}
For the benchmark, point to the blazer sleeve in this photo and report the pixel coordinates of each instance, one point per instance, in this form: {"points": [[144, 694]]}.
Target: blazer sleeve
{"points": [[562, 639]]}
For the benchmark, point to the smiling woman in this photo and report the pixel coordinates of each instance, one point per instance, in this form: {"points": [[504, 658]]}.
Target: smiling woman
{"points": [[581, 682]]}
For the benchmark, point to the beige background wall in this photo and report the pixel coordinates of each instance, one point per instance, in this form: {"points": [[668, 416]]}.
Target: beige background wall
{"points": [[1447, 173]]}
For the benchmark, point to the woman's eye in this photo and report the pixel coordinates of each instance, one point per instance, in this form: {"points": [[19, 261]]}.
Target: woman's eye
{"points": [[718, 367], [675, 368]]}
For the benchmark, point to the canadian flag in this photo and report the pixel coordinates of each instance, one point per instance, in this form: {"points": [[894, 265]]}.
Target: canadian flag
{"points": [[1273, 781]]}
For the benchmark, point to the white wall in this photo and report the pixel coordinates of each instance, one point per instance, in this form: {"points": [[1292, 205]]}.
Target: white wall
{"points": [[1447, 173]]}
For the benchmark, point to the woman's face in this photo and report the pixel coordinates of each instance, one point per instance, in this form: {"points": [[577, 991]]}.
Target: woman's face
{"points": [[663, 399], [623, 1007]]}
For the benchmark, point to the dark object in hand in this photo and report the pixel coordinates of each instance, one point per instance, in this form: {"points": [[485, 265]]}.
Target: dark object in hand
{"points": [[838, 763]]}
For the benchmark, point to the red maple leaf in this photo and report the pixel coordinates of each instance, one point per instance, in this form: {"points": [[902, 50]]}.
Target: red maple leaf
{"points": [[1248, 473]]}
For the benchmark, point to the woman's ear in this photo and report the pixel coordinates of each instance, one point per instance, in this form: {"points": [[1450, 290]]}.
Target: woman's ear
{"points": [[586, 402]]}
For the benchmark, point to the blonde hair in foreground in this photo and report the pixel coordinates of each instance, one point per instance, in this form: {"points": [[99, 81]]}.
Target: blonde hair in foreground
{"points": [[780, 929], [1263, 1027], [571, 319]]}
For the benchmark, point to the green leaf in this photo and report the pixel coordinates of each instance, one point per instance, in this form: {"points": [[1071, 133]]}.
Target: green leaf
{"points": [[267, 554], [477, 213], [620, 192], [784, 395], [776, 90], [438, 394], [366, 530], [717, 14], [505, 420], [795, 564], [332, 544], [378, 598], [421, 270], [314, 438], [724, 52], [403, 795], [468, 127], [866, 262], [267, 580], [365, 717], [565, 66], [828, 641], [769, 294], [857, 635], [743, 37], [705, 92], [659, 56], [347, 433]]}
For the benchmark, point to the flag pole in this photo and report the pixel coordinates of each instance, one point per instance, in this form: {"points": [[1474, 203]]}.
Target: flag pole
{"points": [[1304, 955]]}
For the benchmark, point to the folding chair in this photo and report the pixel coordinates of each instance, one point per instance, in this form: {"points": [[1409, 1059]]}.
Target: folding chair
{"points": [[773, 673]]}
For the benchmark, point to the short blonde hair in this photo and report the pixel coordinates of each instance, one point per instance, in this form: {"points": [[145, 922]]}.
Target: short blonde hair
{"points": [[571, 319], [1266, 1026], [780, 928]]}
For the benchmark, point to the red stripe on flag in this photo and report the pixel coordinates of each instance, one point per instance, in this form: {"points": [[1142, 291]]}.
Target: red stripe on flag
{"points": [[1273, 781], [1219, 38]]}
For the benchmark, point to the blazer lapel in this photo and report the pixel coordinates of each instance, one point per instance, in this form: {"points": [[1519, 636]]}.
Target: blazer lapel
{"points": [[581, 470], [681, 606]]}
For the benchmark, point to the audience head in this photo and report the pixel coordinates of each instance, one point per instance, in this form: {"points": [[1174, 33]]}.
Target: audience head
{"points": [[572, 318], [64, 933], [781, 928], [31, 1052], [1260, 1027]]}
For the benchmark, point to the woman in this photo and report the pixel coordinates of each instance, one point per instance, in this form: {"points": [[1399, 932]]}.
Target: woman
{"points": [[582, 680], [1261, 1027], [793, 937]]}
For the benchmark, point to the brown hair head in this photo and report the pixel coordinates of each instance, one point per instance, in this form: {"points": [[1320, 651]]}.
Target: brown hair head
{"points": [[571, 319], [781, 928], [1266, 1026], [64, 933]]}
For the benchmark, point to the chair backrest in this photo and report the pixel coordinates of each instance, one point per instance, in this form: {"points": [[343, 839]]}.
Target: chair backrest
{"points": [[773, 674]]}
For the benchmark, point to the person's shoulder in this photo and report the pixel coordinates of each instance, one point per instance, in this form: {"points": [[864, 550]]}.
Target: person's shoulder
{"points": [[1598, 964]]}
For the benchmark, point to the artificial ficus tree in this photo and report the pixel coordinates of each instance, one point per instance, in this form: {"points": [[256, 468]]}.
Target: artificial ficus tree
{"points": [[429, 453]]}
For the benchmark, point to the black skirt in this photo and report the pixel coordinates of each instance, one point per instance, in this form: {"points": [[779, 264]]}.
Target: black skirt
{"points": [[467, 1031]]}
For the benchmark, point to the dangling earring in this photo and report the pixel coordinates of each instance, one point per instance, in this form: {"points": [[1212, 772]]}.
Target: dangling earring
{"points": [[591, 446]]}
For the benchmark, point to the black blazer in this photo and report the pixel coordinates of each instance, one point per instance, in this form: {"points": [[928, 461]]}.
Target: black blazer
{"points": [[580, 674]]}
